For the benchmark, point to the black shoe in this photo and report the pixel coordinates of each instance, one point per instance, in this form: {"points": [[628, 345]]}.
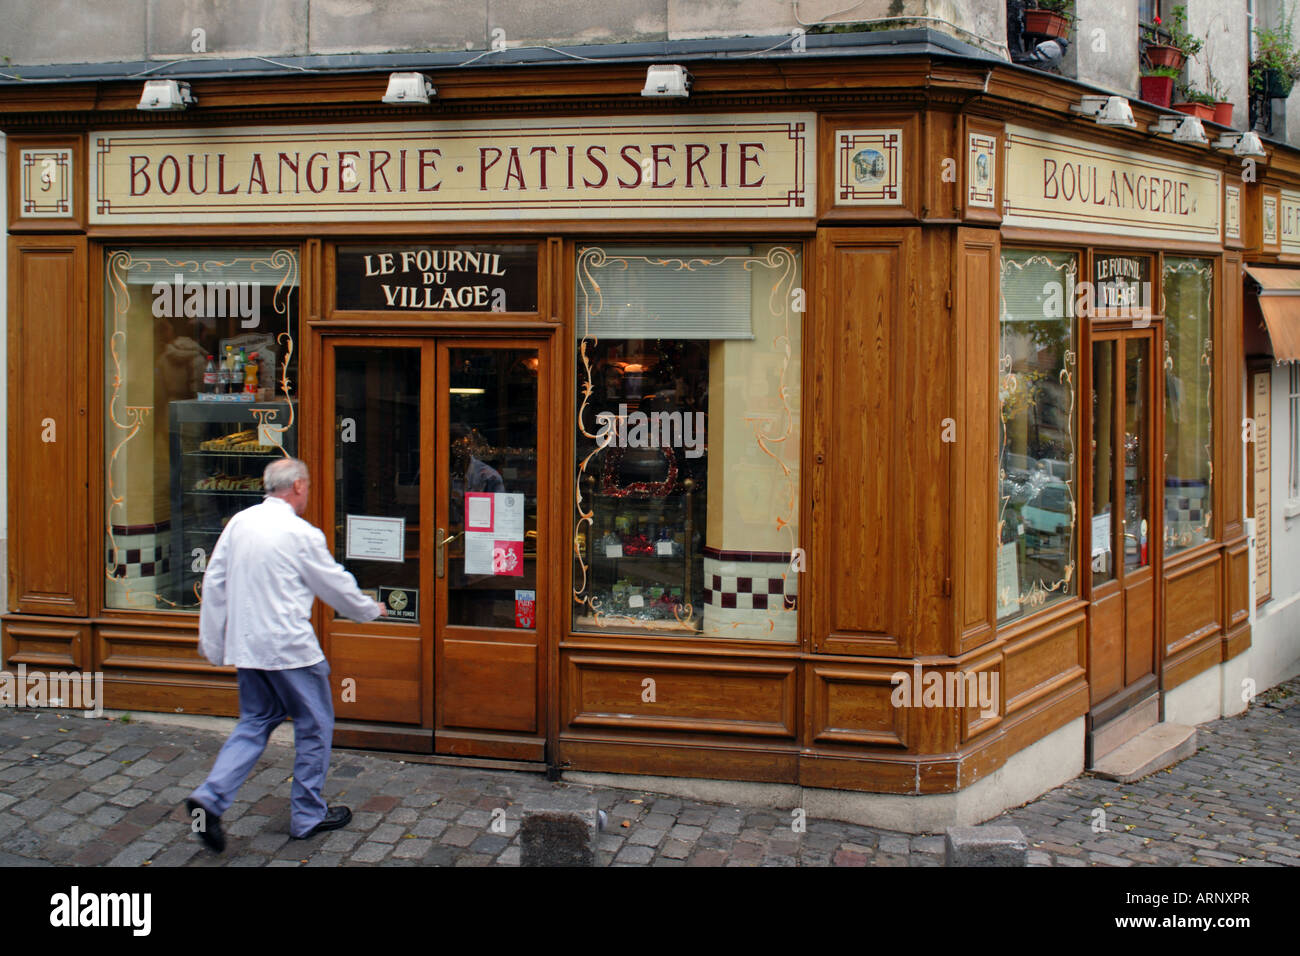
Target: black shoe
{"points": [[335, 818], [210, 828]]}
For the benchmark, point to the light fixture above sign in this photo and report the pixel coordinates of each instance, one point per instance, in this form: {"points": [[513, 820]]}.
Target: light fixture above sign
{"points": [[409, 89], [166, 95], [1107, 110], [1190, 130], [667, 79], [1242, 144]]}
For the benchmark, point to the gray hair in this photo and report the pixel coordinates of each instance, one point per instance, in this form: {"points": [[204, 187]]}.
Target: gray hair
{"points": [[281, 474]]}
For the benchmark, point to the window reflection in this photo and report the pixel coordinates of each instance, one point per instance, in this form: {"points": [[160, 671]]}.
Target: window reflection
{"points": [[1036, 515], [1189, 353]]}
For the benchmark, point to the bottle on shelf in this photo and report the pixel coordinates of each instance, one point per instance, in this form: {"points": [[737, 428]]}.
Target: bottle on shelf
{"points": [[250, 374], [227, 370], [237, 372], [210, 376]]}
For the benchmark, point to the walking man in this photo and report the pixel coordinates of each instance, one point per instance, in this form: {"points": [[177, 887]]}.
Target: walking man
{"points": [[256, 617]]}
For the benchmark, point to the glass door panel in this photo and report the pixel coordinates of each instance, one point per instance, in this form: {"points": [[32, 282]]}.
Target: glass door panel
{"points": [[489, 552], [1137, 371], [377, 474], [1103, 452]]}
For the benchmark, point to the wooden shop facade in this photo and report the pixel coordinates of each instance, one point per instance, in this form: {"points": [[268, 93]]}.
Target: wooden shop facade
{"points": [[689, 437]]}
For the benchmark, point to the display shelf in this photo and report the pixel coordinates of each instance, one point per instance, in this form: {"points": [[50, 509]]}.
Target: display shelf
{"points": [[197, 512]]}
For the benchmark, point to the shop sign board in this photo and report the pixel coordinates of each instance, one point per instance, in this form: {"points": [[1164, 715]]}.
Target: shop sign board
{"points": [[615, 167], [467, 277], [1057, 182], [1121, 282], [1288, 216]]}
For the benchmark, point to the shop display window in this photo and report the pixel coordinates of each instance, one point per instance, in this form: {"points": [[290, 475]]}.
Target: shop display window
{"points": [[200, 394], [686, 476], [1189, 402], [1037, 473]]}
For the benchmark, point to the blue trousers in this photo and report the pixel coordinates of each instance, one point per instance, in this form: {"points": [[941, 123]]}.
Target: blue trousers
{"points": [[266, 698]]}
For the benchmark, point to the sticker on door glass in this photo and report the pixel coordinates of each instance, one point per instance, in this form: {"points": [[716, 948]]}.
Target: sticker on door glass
{"points": [[494, 533], [525, 608], [403, 603]]}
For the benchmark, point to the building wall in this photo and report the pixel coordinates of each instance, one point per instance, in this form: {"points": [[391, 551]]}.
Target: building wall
{"points": [[71, 31], [4, 392], [1275, 638]]}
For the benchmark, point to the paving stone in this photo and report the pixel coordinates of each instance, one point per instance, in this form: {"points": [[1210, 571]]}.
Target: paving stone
{"points": [[32, 808], [429, 827], [136, 854], [413, 849], [388, 833], [635, 854], [129, 798], [54, 822]]}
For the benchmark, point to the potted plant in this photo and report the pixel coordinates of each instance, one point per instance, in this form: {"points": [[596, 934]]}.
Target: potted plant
{"points": [[1157, 85], [1196, 103], [1277, 63], [1222, 105], [1049, 18], [1180, 45]]}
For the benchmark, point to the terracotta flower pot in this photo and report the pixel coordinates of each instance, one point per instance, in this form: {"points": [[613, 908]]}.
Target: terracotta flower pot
{"points": [[1158, 90], [1047, 23], [1199, 110], [1223, 114], [1160, 54]]}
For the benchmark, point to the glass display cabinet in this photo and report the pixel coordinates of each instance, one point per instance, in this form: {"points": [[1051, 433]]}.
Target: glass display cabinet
{"points": [[217, 460]]}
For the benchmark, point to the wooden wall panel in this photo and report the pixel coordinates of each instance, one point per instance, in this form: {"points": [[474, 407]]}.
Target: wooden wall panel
{"points": [[1231, 412], [385, 669], [852, 705], [1139, 630], [702, 696], [46, 645], [159, 669], [1237, 585], [1044, 659], [880, 471], [1193, 602], [488, 685], [974, 530], [1105, 653], [47, 426]]}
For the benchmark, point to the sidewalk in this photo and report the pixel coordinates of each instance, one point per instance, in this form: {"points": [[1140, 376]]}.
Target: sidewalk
{"points": [[94, 792]]}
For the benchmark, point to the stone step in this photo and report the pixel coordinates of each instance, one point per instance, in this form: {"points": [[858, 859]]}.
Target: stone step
{"points": [[1120, 730], [1154, 749]]}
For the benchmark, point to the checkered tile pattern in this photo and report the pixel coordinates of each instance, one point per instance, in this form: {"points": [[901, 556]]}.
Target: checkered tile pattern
{"points": [[748, 593], [1184, 510], [139, 562]]}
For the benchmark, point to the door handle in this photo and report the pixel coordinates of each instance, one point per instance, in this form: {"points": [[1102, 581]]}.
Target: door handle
{"points": [[440, 557]]}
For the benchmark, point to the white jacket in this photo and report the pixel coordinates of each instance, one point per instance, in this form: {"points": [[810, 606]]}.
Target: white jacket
{"points": [[258, 589]]}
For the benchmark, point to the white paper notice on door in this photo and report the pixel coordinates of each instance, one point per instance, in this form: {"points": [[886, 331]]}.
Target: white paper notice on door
{"points": [[372, 538], [494, 533], [1100, 533]]}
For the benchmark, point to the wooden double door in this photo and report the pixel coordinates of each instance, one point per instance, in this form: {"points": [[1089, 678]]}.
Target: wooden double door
{"points": [[432, 496], [1125, 508]]}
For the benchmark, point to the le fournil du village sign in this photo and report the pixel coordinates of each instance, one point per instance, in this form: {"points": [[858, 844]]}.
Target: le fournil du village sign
{"points": [[451, 278], [626, 167]]}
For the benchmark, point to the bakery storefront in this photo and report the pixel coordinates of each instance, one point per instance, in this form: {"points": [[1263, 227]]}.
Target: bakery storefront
{"points": [[670, 439]]}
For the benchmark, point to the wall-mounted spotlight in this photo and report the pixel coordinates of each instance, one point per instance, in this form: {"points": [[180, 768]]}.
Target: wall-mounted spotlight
{"points": [[1107, 110], [1190, 130], [667, 80], [1242, 144], [166, 95], [409, 89]]}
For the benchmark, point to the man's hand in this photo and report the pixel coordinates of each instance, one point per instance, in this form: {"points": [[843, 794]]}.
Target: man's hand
{"points": [[383, 609]]}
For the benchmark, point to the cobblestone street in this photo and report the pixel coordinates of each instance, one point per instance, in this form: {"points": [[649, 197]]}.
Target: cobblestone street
{"points": [[95, 792]]}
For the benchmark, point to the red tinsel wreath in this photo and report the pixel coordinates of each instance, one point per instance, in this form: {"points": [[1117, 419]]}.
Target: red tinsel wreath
{"points": [[638, 489]]}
